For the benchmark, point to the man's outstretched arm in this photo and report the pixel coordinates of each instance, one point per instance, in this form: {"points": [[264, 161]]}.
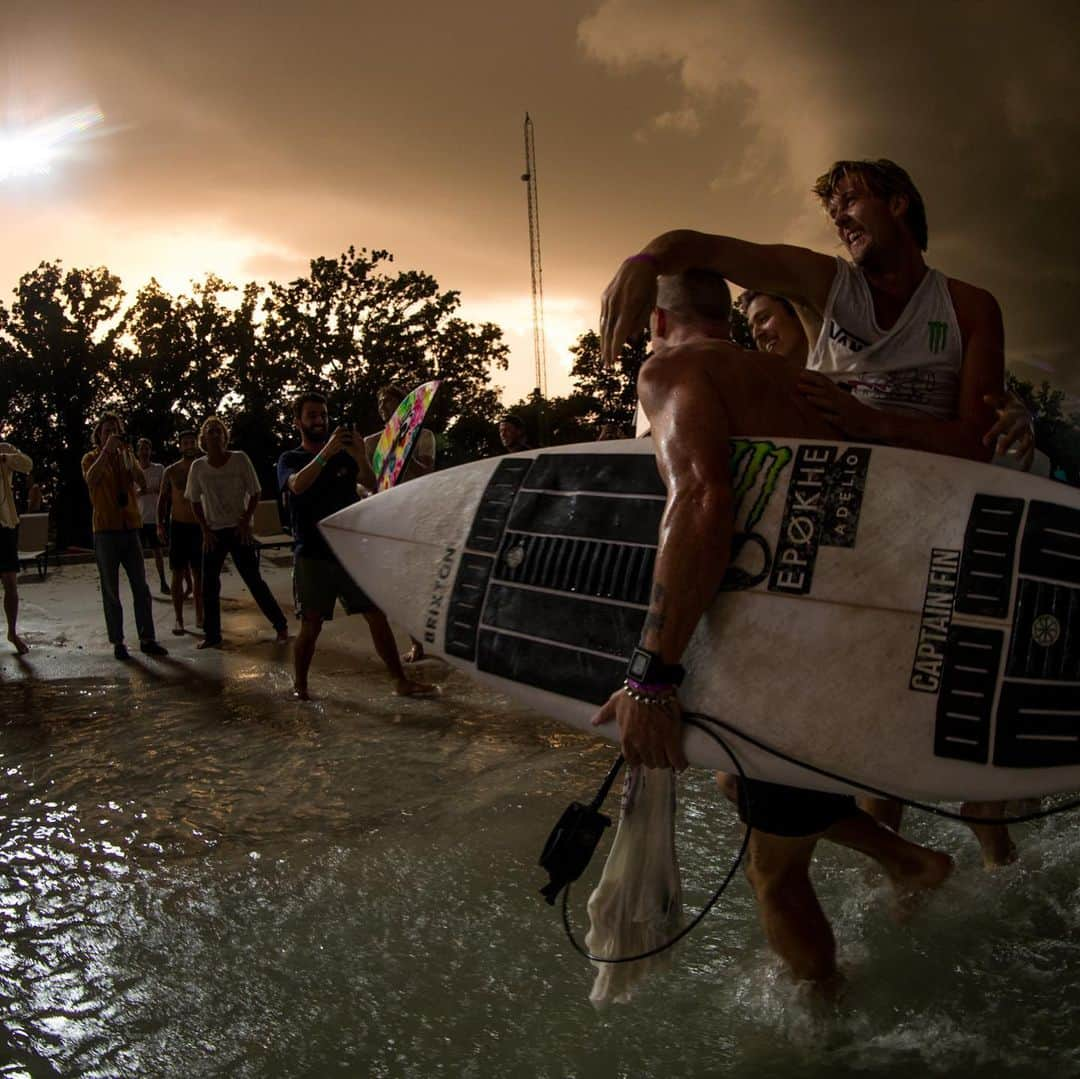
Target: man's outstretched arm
{"points": [[795, 272], [690, 434]]}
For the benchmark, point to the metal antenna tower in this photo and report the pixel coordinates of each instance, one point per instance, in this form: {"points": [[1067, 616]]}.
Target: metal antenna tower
{"points": [[529, 176]]}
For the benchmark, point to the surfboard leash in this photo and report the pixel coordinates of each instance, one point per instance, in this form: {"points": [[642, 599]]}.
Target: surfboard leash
{"points": [[706, 724], [556, 884], [937, 811]]}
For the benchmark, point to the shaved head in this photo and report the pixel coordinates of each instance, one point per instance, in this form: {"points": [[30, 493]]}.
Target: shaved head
{"points": [[695, 295]]}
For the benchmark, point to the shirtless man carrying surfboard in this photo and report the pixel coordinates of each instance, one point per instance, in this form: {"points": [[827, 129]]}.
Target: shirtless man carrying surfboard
{"points": [[898, 333]]}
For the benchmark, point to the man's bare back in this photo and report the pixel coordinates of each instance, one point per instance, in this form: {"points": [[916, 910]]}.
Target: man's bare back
{"points": [[754, 400]]}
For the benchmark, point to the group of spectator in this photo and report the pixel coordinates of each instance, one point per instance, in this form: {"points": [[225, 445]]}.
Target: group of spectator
{"points": [[200, 510]]}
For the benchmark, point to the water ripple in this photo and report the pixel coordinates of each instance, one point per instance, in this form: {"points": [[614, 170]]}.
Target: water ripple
{"points": [[199, 879]]}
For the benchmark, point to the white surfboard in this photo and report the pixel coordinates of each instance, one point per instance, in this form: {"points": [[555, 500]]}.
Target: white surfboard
{"points": [[908, 620]]}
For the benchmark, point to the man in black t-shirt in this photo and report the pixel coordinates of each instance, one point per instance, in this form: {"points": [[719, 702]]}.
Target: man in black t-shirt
{"points": [[319, 478]]}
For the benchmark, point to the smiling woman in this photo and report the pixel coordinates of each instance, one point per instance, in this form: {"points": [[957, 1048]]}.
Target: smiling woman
{"points": [[32, 150]]}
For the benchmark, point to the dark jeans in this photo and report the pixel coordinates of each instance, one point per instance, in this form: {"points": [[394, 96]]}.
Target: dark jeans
{"points": [[247, 565], [113, 550]]}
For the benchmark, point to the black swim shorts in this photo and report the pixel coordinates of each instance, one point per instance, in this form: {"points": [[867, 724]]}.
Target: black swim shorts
{"points": [[790, 811], [9, 549], [185, 545]]}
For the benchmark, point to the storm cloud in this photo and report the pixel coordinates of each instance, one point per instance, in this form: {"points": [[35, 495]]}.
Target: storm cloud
{"points": [[249, 138], [976, 100]]}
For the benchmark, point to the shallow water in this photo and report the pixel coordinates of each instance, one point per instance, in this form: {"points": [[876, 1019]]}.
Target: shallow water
{"points": [[199, 879]]}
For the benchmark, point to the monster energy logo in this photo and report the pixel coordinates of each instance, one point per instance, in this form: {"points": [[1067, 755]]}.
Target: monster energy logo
{"points": [[938, 334], [748, 459], [755, 466]]}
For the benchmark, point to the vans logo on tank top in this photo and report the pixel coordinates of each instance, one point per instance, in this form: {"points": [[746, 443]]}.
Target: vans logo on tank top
{"points": [[845, 338], [939, 334]]}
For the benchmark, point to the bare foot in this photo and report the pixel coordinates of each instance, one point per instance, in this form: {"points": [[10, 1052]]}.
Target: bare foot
{"points": [[995, 842], [282, 635], [913, 877], [21, 647], [210, 643], [406, 687], [178, 629]]}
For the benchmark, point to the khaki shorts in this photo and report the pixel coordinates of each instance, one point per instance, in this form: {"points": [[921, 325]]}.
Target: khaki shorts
{"points": [[319, 582]]}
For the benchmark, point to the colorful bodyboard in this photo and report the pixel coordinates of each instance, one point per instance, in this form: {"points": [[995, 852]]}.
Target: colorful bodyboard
{"points": [[392, 451]]}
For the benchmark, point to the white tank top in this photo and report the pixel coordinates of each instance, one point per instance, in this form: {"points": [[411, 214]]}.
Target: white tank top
{"points": [[912, 367]]}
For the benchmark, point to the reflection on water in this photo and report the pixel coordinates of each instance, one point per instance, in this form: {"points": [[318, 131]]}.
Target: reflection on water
{"points": [[206, 879]]}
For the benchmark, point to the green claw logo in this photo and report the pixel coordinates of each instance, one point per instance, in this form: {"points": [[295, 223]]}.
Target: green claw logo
{"points": [[747, 461], [939, 332], [752, 462]]}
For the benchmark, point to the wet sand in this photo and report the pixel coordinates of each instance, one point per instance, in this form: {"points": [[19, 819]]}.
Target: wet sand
{"points": [[61, 619]]}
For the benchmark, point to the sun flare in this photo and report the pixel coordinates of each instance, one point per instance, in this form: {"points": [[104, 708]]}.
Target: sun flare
{"points": [[31, 151]]}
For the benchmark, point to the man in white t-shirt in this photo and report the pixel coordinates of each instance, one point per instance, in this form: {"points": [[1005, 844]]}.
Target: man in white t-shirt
{"points": [[148, 499], [224, 491]]}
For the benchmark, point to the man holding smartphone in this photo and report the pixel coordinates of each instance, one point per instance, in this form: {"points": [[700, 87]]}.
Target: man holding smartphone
{"points": [[318, 478], [114, 480]]}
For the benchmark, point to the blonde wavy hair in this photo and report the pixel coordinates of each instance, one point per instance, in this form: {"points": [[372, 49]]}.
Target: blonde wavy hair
{"points": [[209, 423]]}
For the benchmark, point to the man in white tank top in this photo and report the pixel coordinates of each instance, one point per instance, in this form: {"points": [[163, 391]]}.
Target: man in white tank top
{"points": [[895, 334], [778, 330], [923, 335]]}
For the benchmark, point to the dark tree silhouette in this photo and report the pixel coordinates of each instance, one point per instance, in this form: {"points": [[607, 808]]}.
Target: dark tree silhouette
{"points": [[61, 348], [1056, 434], [349, 327], [612, 391], [173, 368], [555, 421], [346, 328]]}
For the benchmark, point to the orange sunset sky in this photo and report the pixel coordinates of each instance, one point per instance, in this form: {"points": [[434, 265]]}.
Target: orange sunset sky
{"points": [[247, 138]]}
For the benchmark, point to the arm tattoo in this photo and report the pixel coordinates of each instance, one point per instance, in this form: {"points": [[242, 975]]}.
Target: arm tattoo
{"points": [[654, 620]]}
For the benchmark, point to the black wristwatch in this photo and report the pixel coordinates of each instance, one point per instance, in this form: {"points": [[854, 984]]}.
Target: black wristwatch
{"points": [[649, 669]]}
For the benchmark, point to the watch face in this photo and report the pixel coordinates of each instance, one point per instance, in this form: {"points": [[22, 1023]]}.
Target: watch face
{"points": [[639, 664]]}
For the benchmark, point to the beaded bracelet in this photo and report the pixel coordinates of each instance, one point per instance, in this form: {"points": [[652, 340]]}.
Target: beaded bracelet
{"points": [[650, 689], [660, 694]]}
